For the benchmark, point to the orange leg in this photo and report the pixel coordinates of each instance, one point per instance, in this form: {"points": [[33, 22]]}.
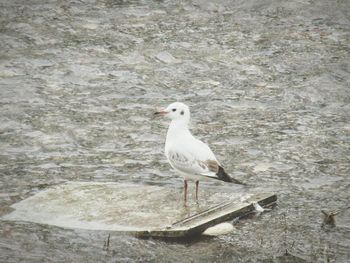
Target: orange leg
{"points": [[185, 191], [197, 183]]}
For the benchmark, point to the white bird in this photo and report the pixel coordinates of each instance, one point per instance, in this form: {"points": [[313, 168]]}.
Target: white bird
{"points": [[189, 156]]}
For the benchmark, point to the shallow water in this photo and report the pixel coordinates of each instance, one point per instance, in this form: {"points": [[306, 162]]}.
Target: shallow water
{"points": [[121, 207], [268, 85]]}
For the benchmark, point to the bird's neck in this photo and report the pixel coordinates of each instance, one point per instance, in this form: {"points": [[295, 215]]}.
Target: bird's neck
{"points": [[178, 129]]}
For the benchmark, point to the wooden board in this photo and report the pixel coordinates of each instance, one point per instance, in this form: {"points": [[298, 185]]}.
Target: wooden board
{"points": [[140, 210], [196, 224]]}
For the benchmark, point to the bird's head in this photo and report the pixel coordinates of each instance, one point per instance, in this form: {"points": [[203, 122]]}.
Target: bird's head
{"points": [[176, 111]]}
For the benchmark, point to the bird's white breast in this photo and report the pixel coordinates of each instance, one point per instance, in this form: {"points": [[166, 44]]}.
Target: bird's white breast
{"points": [[179, 139]]}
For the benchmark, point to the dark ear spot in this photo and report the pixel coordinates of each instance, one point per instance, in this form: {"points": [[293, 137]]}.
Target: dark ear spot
{"points": [[182, 112]]}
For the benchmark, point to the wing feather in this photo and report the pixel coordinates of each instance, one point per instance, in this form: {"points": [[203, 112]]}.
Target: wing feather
{"points": [[187, 163]]}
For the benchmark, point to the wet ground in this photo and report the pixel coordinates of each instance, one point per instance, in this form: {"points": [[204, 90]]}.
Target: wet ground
{"points": [[268, 85]]}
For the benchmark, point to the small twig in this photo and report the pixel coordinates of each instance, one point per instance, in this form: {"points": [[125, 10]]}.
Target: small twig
{"points": [[329, 218], [285, 229], [106, 243]]}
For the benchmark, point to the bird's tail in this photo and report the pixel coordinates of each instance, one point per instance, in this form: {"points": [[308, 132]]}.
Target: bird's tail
{"points": [[222, 175]]}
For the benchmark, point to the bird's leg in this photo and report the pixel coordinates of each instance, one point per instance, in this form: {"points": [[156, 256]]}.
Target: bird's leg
{"points": [[197, 183], [185, 191]]}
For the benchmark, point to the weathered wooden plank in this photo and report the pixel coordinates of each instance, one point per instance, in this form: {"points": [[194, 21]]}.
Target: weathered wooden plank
{"points": [[196, 224], [140, 210]]}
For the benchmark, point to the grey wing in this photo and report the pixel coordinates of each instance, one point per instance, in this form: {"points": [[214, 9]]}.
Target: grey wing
{"points": [[186, 163]]}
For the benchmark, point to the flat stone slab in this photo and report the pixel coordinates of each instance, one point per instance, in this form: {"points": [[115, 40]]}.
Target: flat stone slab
{"points": [[142, 210]]}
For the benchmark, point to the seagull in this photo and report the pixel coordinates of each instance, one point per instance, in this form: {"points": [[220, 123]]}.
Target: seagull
{"points": [[190, 157]]}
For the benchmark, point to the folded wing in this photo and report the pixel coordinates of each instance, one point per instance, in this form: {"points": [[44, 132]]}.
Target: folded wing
{"points": [[199, 161], [187, 163]]}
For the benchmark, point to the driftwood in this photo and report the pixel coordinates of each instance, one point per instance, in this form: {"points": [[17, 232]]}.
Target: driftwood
{"points": [[196, 224], [88, 205]]}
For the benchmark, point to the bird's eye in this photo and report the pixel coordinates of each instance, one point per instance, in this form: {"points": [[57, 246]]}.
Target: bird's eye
{"points": [[173, 109], [182, 112]]}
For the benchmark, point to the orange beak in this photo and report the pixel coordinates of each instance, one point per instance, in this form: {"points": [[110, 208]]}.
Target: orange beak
{"points": [[161, 113]]}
